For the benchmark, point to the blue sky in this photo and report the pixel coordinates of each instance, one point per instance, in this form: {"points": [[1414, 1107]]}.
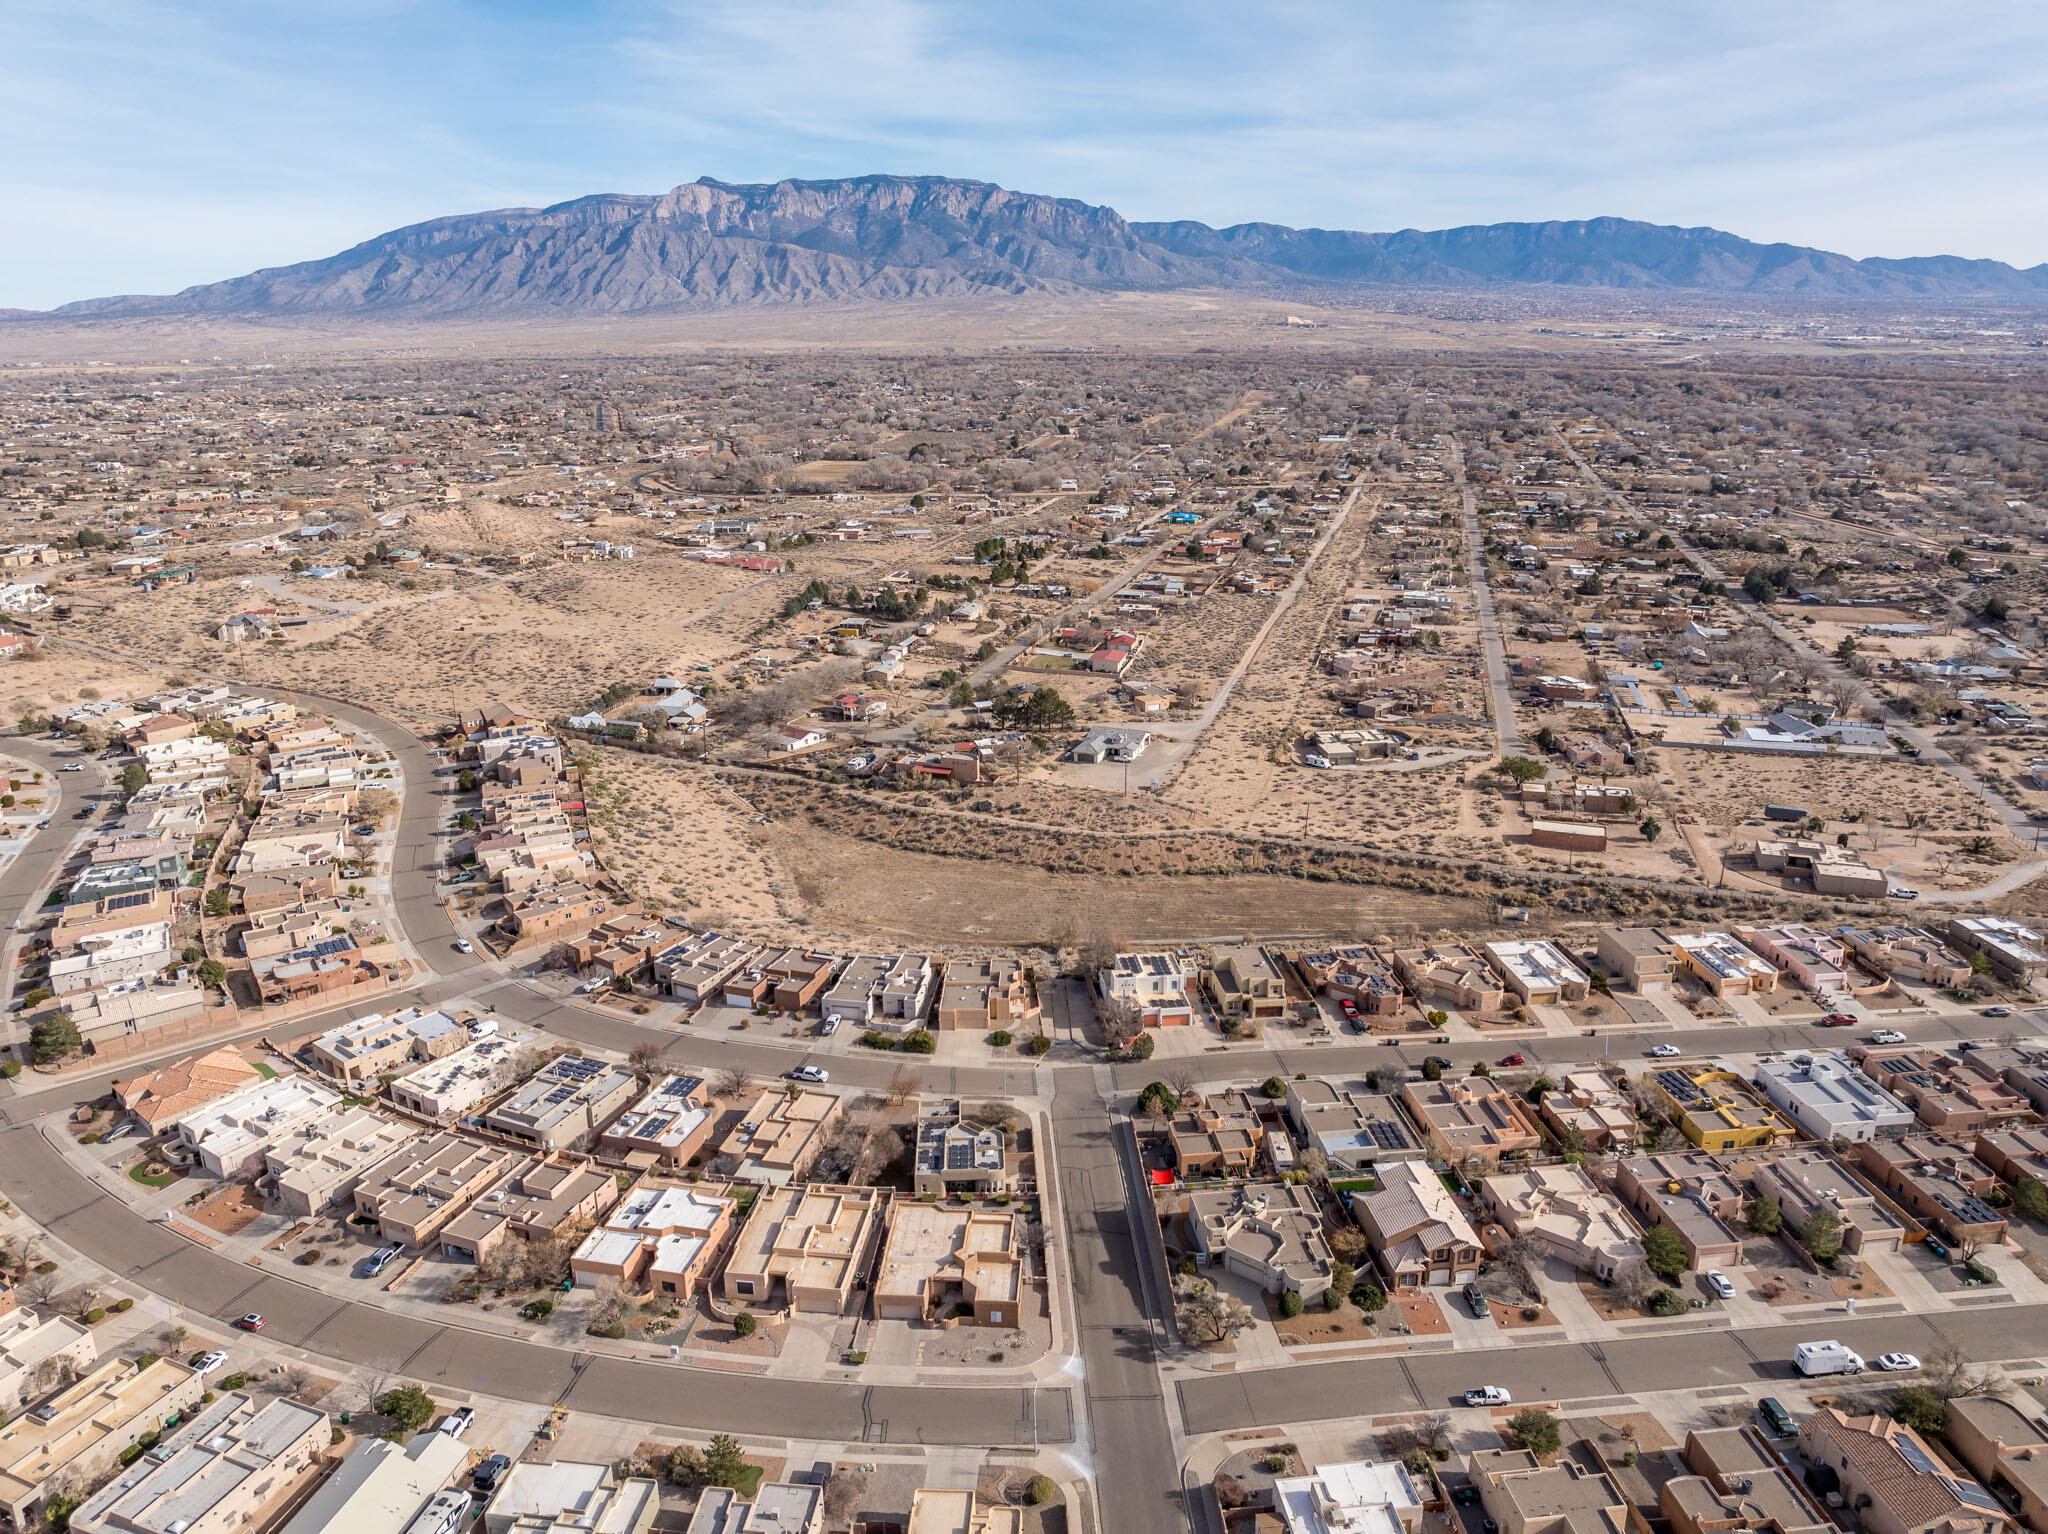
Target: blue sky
{"points": [[152, 145]]}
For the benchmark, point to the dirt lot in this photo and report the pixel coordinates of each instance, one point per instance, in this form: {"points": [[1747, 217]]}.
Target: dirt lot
{"points": [[679, 841], [231, 1212], [848, 887]]}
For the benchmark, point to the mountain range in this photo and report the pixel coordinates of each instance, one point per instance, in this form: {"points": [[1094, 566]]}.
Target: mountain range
{"points": [[712, 245]]}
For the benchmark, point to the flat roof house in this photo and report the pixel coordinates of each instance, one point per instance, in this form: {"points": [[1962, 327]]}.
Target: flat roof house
{"points": [[228, 1136], [806, 1245], [1538, 972], [952, 1157], [1352, 1129], [1211, 1140], [1523, 1496], [1588, 1105], [415, 1192], [1638, 958], [1268, 1233], [1806, 1180], [1695, 1194], [1716, 1110], [1815, 960], [1361, 975], [1829, 1098], [881, 988], [1909, 953], [666, 1127], [77, 1435], [1939, 1184], [983, 993], [28, 1343], [660, 1237], [1562, 1211], [565, 1104], [536, 1203], [318, 1162], [225, 1468], [381, 1487], [2018, 955], [2000, 1440], [1451, 974], [1722, 965], [779, 1137], [444, 1090], [1357, 1496], [1472, 1118], [695, 970], [1737, 1483], [563, 1496], [1245, 982], [1159, 986], [1418, 1233], [940, 1257]]}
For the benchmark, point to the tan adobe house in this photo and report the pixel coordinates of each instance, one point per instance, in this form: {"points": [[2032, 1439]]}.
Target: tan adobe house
{"points": [[1696, 1194], [2001, 1441], [1245, 982], [1209, 1140], [1452, 975], [780, 1136], [945, 1259], [1737, 1483], [413, 1193], [665, 1127], [662, 1238], [806, 1248], [535, 1203], [1562, 1211], [1472, 1118], [983, 994], [1269, 1233]]}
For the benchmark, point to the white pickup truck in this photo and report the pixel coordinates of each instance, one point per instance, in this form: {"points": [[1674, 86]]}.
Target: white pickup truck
{"points": [[1814, 1358]]}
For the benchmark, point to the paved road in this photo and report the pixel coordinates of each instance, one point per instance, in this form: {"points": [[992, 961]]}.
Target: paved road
{"points": [[1490, 643], [1580, 1371], [1137, 1480]]}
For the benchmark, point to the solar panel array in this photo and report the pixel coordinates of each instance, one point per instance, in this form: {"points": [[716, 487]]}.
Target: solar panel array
{"points": [[129, 902], [576, 1068], [1977, 1496], [1915, 1456], [1388, 1135]]}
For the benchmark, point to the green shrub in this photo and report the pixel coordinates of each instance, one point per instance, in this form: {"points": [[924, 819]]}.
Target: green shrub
{"points": [[744, 1324], [856, 1357], [88, 1139], [615, 1330], [1290, 1304], [122, 1306], [1002, 1038], [920, 1041], [10, 1068], [1037, 1046], [96, 1315], [234, 1381], [538, 1309], [1041, 1490], [1667, 1302], [874, 1038]]}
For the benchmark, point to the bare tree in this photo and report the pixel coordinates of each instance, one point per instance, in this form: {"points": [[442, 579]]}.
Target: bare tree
{"points": [[1120, 1018], [843, 1492], [37, 1288], [645, 1059], [903, 1086], [733, 1083], [1207, 1316]]}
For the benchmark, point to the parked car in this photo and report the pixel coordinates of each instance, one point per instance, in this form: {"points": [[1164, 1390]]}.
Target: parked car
{"points": [[72, 767], [252, 1322], [808, 1073], [485, 1476], [1996, 1012], [1348, 1007], [381, 1259], [1488, 1395], [1900, 892], [1314, 760], [1441, 1062], [1665, 1052], [207, 1362], [1477, 1301], [1887, 1036], [457, 1422], [1771, 1412], [464, 945], [1514, 1060], [829, 1027], [1838, 1020], [1894, 1362], [84, 814], [1717, 1281]]}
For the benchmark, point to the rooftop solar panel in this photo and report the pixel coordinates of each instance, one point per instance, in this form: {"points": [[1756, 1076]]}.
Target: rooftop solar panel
{"points": [[1915, 1456]]}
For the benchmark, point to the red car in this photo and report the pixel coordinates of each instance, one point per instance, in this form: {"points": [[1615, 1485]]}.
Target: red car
{"points": [[251, 1322], [1838, 1020], [1513, 1060], [1349, 1006]]}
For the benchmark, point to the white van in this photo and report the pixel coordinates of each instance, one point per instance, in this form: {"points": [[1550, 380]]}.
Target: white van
{"points": [[1815, 1358], [483, 1027]]}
